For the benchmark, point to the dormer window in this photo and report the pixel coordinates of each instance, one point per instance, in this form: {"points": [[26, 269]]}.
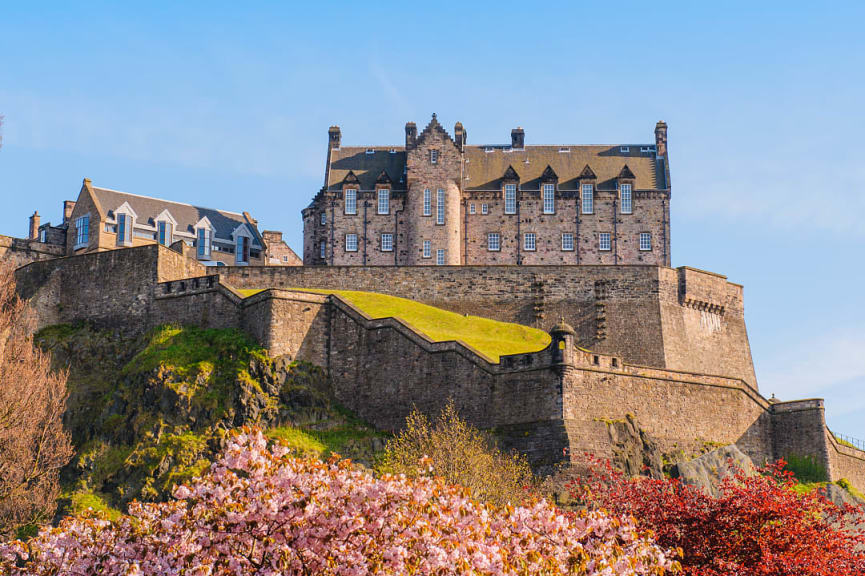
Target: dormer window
{"points": [[351, 201], [370, 151], [510, 198], [203, 243], [433, 156], [164, 232], [384, 201], [588, 198], [242, 254], [627, 202], [123, 229]]}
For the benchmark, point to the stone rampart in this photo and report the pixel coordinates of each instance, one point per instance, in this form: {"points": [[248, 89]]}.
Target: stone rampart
{"points": [[846, 462], [681, 319], [21, 251]]}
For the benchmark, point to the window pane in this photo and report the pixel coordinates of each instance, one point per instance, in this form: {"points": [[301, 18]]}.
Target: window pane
{"points": [[121, 228], [427, 202], [427, 248], [493, 241], [485, 209], [626, 198], [322, 249], [440, 257], [510, 199], [387, 242], [529, 241], [567, 241], [549, 199], [604, 241], [645, 241], [384, 201], [588, 199], [351, 201], [351, 242], [440, 206]]}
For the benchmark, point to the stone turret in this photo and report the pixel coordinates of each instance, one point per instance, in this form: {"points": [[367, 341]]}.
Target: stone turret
{"points": [[562, 335]]}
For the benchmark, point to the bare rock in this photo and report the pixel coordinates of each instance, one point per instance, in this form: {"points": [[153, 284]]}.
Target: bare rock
{"points": [[708, 470]]}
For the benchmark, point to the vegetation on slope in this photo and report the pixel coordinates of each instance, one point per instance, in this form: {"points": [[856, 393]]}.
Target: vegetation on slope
{"points": [[490, 337], [148, 413]]}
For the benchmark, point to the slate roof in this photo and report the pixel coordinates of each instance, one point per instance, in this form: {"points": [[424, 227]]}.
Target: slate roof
{"points": [[186, 215], [486, 165]]}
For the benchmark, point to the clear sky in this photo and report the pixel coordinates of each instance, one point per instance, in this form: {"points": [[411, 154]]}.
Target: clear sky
{"points": [[227, 105]]}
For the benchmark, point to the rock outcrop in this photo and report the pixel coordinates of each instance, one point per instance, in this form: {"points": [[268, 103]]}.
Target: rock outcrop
{"points": [[708, 470]]}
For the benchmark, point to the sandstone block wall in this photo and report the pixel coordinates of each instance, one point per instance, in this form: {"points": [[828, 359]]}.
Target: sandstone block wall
{"points": [[290, 323], [21, 252], [646, 314], [846, 462]]}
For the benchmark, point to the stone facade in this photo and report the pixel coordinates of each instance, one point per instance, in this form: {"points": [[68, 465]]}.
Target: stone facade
{"points": [[547, 404], [277, 252], [454, 204]]}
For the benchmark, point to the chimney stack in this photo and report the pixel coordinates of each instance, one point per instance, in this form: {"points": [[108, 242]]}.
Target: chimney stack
{"points": [[661, 138], [460, 135], [334, 136], [68, 207], [518, 138], [34, 225], [410, 135]]}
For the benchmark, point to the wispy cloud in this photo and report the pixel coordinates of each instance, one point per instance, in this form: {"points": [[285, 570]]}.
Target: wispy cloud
{"points": [[389, 88]]}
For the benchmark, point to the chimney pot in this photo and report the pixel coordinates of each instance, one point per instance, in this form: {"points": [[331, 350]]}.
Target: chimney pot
{"points": [[34, 225], [334, 136], [410, 135], [661, 138], [68, 207]]}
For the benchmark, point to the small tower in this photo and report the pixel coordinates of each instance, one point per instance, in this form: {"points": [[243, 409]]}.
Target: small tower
{"points": [[34, 225], [562, 335]]}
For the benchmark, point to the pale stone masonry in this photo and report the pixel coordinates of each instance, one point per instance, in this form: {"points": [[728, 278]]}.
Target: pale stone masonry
{"points": [[438, 201]]}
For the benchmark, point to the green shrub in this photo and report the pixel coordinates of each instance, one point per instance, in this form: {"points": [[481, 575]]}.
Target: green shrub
{"points": [[806, 469]]}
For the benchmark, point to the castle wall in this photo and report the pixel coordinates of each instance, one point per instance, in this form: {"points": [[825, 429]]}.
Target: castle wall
{"points": [[21, 252], [846, 462], [199, 301], [643, 313], [290, 323]]}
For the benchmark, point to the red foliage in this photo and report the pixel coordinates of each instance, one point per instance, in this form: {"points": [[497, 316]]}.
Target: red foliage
{"points": [[758, 525]]}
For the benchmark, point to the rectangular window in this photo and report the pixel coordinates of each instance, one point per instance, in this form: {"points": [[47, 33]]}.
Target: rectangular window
{"points": [[82, 230], [351, 242], [510, 198], [549, 198], [384, 201], [433, 156], [322, 249], [471, 208], [440, 257], [604, 241], [121, 229], [427, 249], [163, 233], [387, 242], [427, 202], [440, 206], [494, 243], [203, 242], [42, 236], [627, 205], [351, 201], [323, 218], [645, 241], [529, 241], [242, 249], [485, 209], [588, 199], [567, 241]]}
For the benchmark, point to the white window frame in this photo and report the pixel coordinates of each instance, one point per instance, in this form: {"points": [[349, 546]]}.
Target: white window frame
{"points": [[427, 249], [427, 202], [645, 241], [587, 196], [485, 208], [384, 201], [605, 241], [124, 229], [440, 206], [570, 236], [387, 242], [627, 198], [494, 242], [549, 198], [239, 256], [433, 156], [203, 244], [350, 201], [166, 232], [82, 231], [530, 241], [351, 242], [510, 198], [472, 208], [440, 257], [42, 236], [323, 218], [322, 249]]}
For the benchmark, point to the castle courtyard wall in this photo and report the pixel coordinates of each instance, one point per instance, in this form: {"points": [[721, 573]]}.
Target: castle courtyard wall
{"points": [[682, 320]]}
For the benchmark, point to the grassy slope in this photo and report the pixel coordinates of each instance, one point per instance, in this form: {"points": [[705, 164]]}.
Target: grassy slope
{"points": [[490, 337]]}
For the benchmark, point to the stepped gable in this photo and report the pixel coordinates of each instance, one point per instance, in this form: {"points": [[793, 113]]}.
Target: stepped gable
{"points": [[147, 209], [433, 126], [485, 164]]}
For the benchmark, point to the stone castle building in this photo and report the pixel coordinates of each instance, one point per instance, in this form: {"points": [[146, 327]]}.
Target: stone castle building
{"points": [[438, 201], [105, 219]]}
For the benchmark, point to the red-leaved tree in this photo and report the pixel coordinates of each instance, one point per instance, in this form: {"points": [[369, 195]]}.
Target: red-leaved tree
{"points": [[759, 525]]}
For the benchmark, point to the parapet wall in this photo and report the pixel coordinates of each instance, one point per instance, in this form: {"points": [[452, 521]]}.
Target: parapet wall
{"points": [[680, 319], [22, 251]]}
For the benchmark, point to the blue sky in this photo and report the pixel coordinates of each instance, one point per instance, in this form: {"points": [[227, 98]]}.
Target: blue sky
{"points": [[227, 105]]}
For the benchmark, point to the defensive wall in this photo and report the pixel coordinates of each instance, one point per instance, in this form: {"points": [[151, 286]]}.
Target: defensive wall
{"points": [[547, 404], [679, 319], [22, 251]]}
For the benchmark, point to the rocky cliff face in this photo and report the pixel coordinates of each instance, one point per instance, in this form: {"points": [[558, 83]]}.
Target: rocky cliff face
{"points": [[150, 412]]}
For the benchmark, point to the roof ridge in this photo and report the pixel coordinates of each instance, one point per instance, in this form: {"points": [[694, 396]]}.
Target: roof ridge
{"points": [[164, 200]]}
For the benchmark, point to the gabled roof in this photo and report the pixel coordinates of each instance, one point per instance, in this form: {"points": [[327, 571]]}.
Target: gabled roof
{"points": [[362, 165], [511, 174], [433, 126], [186, 216], [549, 175], [383, 178], [626, 173], [350, 178], [587, 174]]}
